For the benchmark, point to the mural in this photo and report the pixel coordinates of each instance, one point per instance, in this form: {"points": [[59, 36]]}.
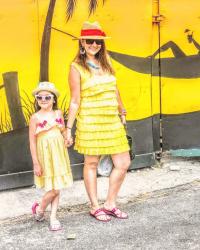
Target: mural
{"points": [[44, 51], [156, 62]]}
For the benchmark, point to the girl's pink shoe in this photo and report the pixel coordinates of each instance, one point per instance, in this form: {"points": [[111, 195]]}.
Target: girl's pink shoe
{"points": [[55, 225], [37, 216]]}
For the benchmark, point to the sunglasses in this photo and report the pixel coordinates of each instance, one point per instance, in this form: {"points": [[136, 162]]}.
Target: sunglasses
{"points": [[91, 41], [44, 97]]}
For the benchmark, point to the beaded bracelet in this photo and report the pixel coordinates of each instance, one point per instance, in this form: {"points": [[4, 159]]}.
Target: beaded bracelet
{"points": [[123, 112]]}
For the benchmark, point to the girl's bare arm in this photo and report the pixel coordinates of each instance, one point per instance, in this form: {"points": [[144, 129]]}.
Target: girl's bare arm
{"points": [[33, 148]]}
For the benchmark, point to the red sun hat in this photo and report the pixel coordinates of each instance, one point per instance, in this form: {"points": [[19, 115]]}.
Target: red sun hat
{"points": [[92, 31]]}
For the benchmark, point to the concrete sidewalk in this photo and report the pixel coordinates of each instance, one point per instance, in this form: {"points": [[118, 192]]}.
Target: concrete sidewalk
{"points": [[170, 173]]}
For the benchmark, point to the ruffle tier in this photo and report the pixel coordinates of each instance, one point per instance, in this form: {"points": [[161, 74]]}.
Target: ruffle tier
{"points": [[97, 90], [103, 143], [99, 127], [99, 103], [102, 151], [98, 135], [99, 82], [98, 111], [96, 119], [110, 94]]}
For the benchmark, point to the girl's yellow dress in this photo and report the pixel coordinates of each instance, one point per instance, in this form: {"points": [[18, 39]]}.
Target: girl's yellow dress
{"points": [[52, 155], [99, 128]]}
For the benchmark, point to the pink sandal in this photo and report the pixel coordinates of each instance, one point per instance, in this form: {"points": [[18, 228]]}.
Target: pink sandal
{"points": [[100, 212], [55, 225], [37, 216], [116, 212]]}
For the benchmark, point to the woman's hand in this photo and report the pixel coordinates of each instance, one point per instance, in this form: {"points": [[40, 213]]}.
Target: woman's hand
{"points": [[123, 119], [37, 169], [68, 140]]}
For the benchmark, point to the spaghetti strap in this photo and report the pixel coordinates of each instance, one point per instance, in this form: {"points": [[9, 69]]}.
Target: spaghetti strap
{"points": [[37, 116], [57, 115]]}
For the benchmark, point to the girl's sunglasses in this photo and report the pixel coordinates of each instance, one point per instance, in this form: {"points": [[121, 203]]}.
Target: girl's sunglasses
{"points": [[44, 97], [91, 41]]}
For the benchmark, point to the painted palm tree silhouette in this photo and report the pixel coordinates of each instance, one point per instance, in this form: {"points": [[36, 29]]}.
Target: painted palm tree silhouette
{"points": [[46, 37]]}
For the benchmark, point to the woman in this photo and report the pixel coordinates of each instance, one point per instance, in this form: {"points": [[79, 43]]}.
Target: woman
{"points": [[96, 100]]}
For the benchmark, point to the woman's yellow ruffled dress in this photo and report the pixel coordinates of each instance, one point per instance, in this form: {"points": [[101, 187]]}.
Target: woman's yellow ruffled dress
{"points": [[99, 128]]}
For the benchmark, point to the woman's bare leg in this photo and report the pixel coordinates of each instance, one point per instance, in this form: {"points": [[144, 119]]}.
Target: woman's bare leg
{"points": [[121, 164], [90, 180], [178, 52]]}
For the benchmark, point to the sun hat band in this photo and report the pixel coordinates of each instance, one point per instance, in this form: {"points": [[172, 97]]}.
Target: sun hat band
{"points": [[92, 32]]}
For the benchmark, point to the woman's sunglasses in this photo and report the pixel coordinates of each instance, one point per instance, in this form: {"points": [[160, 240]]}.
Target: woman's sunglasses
{"points": [[91, 41], [44, 97]]}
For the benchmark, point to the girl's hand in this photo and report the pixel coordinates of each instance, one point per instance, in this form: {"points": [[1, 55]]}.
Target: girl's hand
{"points": [[37, 169], [68, 140]]}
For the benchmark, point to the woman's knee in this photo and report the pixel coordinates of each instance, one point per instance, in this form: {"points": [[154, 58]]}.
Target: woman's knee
{"points": [[123, 165], [122, 162], [91, 162], [91, 165]]}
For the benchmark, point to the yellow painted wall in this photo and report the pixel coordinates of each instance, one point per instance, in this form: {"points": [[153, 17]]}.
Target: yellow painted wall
{"points": [[128, 22], [180, 95]]}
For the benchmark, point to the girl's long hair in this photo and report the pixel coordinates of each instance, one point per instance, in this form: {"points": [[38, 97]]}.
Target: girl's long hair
{"points": [[55, 103], [102, 57]]}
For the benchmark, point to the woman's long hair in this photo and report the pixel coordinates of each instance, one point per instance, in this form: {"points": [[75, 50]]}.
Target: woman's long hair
{"points": [[102, 57], [55, 103]]}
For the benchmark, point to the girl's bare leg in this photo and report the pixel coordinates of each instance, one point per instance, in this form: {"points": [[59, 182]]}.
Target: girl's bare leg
{"points": [[54, 205], [46, 200]]}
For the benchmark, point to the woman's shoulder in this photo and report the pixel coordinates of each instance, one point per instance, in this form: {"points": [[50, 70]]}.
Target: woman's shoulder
{"points": [[77, 65]]}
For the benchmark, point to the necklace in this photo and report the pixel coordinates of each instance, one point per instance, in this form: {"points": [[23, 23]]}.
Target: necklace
{"points": [[93, 65]]}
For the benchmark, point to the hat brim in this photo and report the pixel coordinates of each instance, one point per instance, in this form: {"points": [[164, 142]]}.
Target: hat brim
{"points": [[92, 37], [37, 90]]}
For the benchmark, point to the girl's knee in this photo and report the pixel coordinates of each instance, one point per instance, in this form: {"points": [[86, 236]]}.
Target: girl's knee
{"points": [[55, 192]]}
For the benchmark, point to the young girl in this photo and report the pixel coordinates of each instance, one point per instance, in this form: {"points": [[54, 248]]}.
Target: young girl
{"points": [[50, 158]]}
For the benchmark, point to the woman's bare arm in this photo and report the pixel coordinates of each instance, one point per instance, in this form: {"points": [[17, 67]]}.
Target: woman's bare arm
{"points": [[74, 85], [122, 110]]}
